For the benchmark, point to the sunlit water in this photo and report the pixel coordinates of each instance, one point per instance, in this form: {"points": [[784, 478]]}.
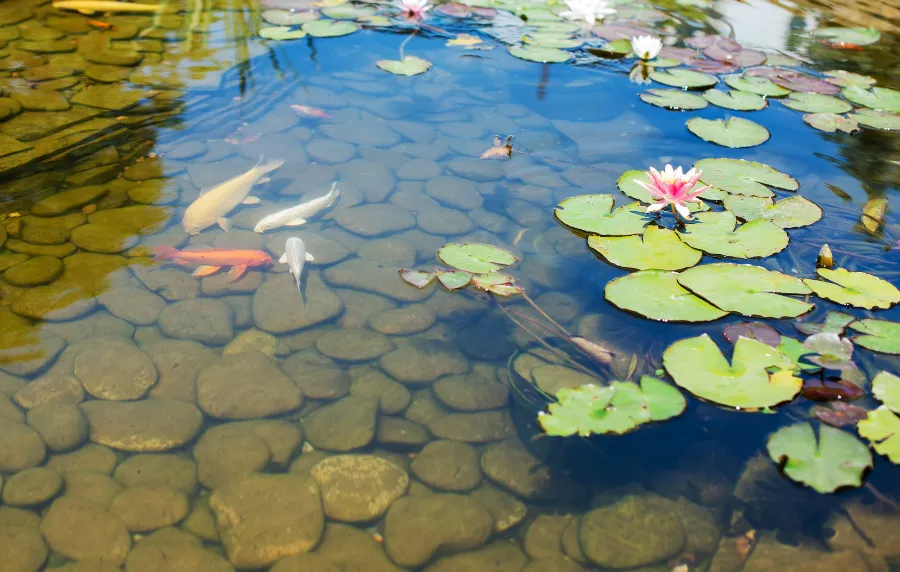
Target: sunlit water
{"points": [[147, 389]]}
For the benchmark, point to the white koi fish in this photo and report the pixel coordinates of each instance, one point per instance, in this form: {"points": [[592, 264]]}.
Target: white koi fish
{"points": [[212, 206], [91, 6], [295, 216], [295, 256]]}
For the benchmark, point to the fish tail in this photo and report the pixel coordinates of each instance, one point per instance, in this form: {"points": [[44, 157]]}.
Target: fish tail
{"points": [[270, 165], [165, 252]]}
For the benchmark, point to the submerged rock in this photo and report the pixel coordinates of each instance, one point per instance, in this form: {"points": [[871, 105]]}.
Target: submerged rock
{"points": [[178, 362], [172, 550], [403, 321], [373, 220], [245, 386], [150, 507], [358, 488], [354, 550], [448, 465], [168, 470], [501, 556], [478, 427], [133, 304], [505, 508], [423, 361], [22, 549], [20, 447], [90, 458], [32, 487], [510, 465], [201, 320], [393, 397], [61, 425], [82, 530], [318, 377], [153, 424], [114, 369], [228, 452], [369, 276], [353, 344], [470, 392], [278, 307], [344, 425], [34, 272]]}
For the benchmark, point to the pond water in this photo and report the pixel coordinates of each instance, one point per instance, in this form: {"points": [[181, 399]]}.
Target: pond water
{"points": [[171, 410]]}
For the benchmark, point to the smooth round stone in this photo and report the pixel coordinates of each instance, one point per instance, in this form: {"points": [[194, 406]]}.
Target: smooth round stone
{"points": [[358, 488], [178, 363], [360, 306], [252, 340], [389, 251], [478, 427], [165, 470], [90, 458], [353, 549], [510, 465], [36, 100], [82, 530], [374, 220], [94, 487], [454, 192], [20, 447], [476, 170], [561, 307], [140, 218], [403, 321], [53, 302], [61, 425], [305, 563], [132, 304], [41, 234], [114, 369], [105, 239], [392, 397], [34, 272], [318, 377], [369, 276], [395, 432], [9, 107], [374, 132], [277, 307], [199, 319], [8, 410], [470, 393], [418, 170], [187, 150], [31, 487], [22, 549], [229, 451], [106, 73], [173, 550], [67, 200], [150, 507], [448, 465], [501, 556], [353, 345], [55, 250], [245, 386], [543, 539], [281, 437], [201, 523], [329, 151], [325, 250], [444, 222], [505, 508], [423, 362], [219, 284], [150, 425], [344, 425]]}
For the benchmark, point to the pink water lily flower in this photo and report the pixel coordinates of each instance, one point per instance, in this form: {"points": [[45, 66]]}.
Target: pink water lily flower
{"points": [[672, 187], [413, 8]]}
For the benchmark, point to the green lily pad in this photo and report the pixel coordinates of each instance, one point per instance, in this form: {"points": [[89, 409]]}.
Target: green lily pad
{"points": [[409, 65], [882, 428], [614, 49], [858, 36], [757, 85], [877, 119], [846, 78], [348, 11], [735, 99], [281, 33], [329, 28], [830, 350], [740, 177], [837, 460], [591, 214], [831, 122], [375, 21], [792, 212], [834, 322], [288, 18], [627, 183], [454, 279], [416, 278], [657, 295], [617, 408], [475, 257], [553, 40], [660, 249], [714, 233], [878, 335], [745, 289], [878, 98], [663, 63], [697, 365], [816, 103], [540, 54], [684, 78], [854, 289], [886, 387], [797, 352], [675, 99], [736, 133]]}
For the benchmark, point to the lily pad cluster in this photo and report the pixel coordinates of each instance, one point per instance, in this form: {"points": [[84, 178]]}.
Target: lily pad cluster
{"points": [[475, 264]]}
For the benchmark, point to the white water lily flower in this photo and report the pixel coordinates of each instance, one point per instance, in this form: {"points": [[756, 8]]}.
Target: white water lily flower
{"points": [[588, 10], [413, 8], [646, 47]]}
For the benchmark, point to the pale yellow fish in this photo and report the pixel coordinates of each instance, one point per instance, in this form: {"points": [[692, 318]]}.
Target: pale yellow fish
{"points": [[91, 6]]}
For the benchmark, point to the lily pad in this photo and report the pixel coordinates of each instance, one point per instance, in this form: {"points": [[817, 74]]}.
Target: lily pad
{"points": [[830, 350], [757, 85], [792, 212], [816, 103], [714, 233], [831, 122], [289, 18], [845, 78], [348, 11], [740, 177], [878, 98], [877, 119], [802, 82], [497, 282], [409, 65], [660, 249], [746, 289], [697, 365], [281, 33], [854, 289], [834, 322], [735, 99], [837, 459], [675, 99], [475, 257], [684, 78], [839, 413], [797, 352], [657, 295], [878, 335], [329, 28], [616, 408], [856, 36], [454, 279], [886, 387], [627, 183], [736, 133], [417, 278], [552, 40], [540, 54], [663, 63], [753, 330], [375, 21], [594, 214], [614, 49], [882, 428]]}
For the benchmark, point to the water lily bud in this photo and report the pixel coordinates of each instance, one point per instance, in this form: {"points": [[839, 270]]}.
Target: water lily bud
{"points": [[825, 258]]}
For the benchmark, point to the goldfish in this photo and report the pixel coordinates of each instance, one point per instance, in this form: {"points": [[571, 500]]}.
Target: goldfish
{"points": [[213, 259], [212, 206], [310, 111], [91, 6], [295, 255], [101, 25], [295, 216]]}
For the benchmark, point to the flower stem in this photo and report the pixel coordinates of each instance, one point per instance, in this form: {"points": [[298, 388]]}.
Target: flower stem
{"points": [[678, 220], [408, 38]]}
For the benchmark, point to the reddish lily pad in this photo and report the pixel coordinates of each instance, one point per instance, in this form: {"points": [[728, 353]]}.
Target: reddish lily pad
{"points": [[805, 83], [753, 330]]}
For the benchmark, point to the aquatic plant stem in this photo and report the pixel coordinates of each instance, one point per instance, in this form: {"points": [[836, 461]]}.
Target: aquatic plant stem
{"points": [[403, 44], [678, 220], [564, 332]]}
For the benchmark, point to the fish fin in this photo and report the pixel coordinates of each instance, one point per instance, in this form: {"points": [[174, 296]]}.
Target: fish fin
{"points": [[224, 223], [265, 179], [205, 270], [251, 200], [295, 222], [283, 258], [85, 11], [236, 272], [309, 257], [268, 166], [165, 252]]}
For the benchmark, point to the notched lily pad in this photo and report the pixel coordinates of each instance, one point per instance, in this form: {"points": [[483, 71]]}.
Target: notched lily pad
{"points": [[754, 330], [741, 177], [684, 78], [855, 36], [854, 289], [593, 214], [735, 99], [758, 85], [886, 387], [281, 33], [882, 428], [735, 133], [837, 459], [877, 119], [834, 322], [474, 257], [715, 233], [658, 249], [497, 283], [675, 99], [816, 103], [454, 279], [657, 295], [540, 54], [877, 98], [877, 335], [831, 122], [409, 65], [417, 278], [792, 212], [829, 350], [329, 28]]}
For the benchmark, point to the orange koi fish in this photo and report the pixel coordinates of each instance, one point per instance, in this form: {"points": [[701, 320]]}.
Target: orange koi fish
{"points": [[213, 259], [101, 25], [310, 111]]}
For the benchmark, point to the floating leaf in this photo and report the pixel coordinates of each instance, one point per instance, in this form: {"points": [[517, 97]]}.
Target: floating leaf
{"points": [[782, 60], [882, 428], [496, 282], [801, 82], [792, 212], [854, 289], [735, 133], [714, 233], [745, 289], [454, 280], [878, 335], [475, 257], [348, 11], [591, 214], [831, 122], [873, 213], [877, 119], [417, 278], [727, 50], [757, 85], [713, 66], [878, 98], [673, 99], [736, 100], [846, 78], [500, 149], [627, 183], [329, 28], [289, 17], [552, 40], [754, 330], [831, 350], [834, 322], [539, 54], [857, 36], [828, 390], [409, 65], [657, 295], [697, 365], [662, 63], [839, 413], [797, 352], [816, 103], [375, 21], [464, 40], [614, 49], [837, 460], [684, 79], [741, 177], [660, 249], [281, 33], [886, 387]]}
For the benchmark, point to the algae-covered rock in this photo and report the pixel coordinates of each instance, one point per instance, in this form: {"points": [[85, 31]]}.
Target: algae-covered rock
{"points": [[318, 377], [54, 386], [104, 238], [353, 344], [510, 465], [423, 361], [228, 452], [32, 486], [139, 218], [252, 340], [358, 488], [44, 234], [34, 272], [67, 200], [90, 458], [245, 386], [543, 539], [22, 549], [133, 304], [152, 424], [396, 432], [501, 556], [305, 563], [158, 469], [201, 320], [506, 510], [344, 425], [150, 507], [479, 427], [20, 446], [448, 465], [393, 397], [173, 550], [94, 487], [114, 369], [81, 530], [178, 363], [61, 425], [403, 321], [770, 554], [354, 550]]}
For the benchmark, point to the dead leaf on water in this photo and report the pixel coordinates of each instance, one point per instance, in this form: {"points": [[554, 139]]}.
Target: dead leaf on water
{"points": [[465, 40], [502, 149], [873, 213]]}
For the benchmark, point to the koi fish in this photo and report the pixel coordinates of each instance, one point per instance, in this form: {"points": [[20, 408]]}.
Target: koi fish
{"points": [[213, 259], [842, 45], [295, 216], [91, 6], [295, 256], [310, 111], [212, 206]]}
